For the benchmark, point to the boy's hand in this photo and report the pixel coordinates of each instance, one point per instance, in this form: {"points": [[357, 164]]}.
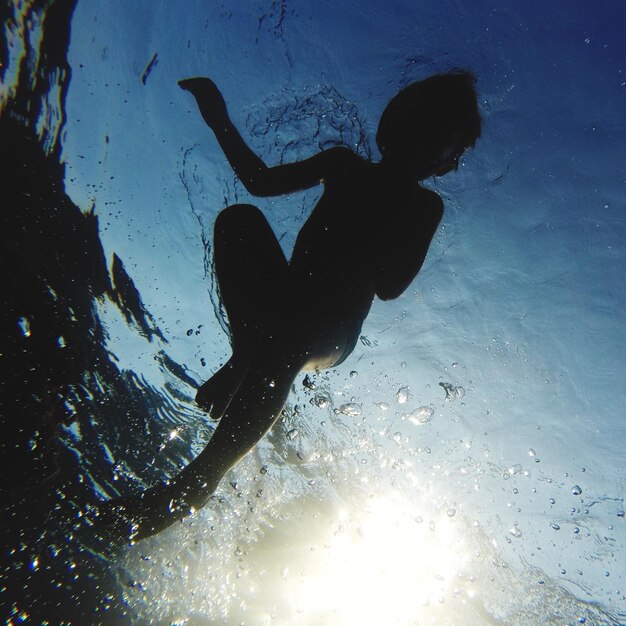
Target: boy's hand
{"points": [[209, 98]]}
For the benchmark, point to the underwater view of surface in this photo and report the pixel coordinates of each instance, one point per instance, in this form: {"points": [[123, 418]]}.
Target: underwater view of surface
{"points": [[465, 465]]}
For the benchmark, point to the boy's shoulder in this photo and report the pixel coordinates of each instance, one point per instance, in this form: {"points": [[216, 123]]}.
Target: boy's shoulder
{"points": [[340, 160], [429, 199], [425, 207]]}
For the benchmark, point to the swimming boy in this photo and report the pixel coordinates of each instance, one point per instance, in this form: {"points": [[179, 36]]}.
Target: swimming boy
{"points": [[368, 236]]}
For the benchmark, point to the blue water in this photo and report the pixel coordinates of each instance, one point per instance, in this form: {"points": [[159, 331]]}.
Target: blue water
{"points": [[519, 307]]}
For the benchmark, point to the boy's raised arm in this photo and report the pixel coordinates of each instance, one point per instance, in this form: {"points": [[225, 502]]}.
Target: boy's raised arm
{"points": [[256, 176]]}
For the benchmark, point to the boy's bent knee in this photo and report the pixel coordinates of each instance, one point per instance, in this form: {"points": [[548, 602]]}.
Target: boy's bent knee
{"points": [[243, 224], [238, 214]]}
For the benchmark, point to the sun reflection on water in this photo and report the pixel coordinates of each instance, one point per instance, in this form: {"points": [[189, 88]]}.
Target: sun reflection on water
{"points": [[388, 560], [381, 565]]}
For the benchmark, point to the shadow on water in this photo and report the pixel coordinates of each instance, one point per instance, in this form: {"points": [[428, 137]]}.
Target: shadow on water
{"points": [[59, 383]]}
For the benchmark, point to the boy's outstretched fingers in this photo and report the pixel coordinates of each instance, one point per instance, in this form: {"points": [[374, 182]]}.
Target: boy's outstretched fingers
{"points": [[199, 84], [187, 83]]}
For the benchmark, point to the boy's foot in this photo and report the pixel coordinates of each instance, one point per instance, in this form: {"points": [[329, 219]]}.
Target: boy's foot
{"points": [[215, 394]]}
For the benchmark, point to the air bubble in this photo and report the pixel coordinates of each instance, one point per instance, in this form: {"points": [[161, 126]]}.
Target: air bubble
{"points": [[515, 531], [353, 374], [402, 395], [420, 416], [576, 490], [452, 392], [514, 469], [320, 401], [24, 325], [352, 409]]}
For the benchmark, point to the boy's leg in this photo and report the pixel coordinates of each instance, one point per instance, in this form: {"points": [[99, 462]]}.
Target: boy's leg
{"points": [[251, 413], [252, 272], [216, 393], [252, 275]]}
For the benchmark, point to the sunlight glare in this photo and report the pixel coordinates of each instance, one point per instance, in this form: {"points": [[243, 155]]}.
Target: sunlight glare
{"points": [[382, 566]]}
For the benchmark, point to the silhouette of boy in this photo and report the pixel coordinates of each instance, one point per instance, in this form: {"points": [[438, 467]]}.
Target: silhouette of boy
{"points": [[368, 236]]}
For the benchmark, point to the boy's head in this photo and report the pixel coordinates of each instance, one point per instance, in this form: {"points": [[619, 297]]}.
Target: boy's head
{"points": [[429, 124]]}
